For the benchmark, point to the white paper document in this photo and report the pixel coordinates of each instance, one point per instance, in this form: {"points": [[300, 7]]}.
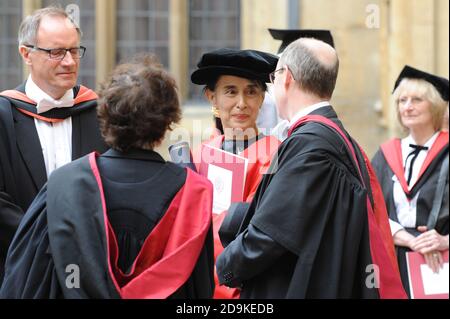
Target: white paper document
{"points": [[434, 283], [222, 180]]}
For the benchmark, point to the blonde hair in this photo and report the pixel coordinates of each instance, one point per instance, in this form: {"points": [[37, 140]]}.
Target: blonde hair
{"points": [[426, 91]]}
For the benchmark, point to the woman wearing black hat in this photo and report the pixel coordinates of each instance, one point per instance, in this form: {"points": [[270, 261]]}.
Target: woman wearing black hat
{"points": [[413, 171], [235, 85]]}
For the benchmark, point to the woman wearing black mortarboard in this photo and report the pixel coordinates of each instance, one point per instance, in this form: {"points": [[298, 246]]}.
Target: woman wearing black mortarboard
{"points": [[124, 224], [413, 171], [235, 85]]}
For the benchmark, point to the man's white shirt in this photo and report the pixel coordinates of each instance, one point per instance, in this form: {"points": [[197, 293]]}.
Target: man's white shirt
{"points": [[55, 138]]}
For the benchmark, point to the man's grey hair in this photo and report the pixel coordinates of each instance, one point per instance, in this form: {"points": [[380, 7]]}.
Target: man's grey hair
{"points": [[313, 75], [30, 25]]}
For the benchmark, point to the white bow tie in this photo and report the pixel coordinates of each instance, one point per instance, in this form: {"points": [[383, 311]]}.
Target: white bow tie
{"points": [[46, 105]]}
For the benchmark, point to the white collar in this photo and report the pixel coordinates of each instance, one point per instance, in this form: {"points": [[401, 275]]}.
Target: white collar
{"points": [[409, 140], [44, 101], [307, 110]]}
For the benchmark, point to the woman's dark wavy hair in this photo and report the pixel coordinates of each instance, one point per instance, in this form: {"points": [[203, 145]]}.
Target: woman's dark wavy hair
{"points": [[137, 104]]}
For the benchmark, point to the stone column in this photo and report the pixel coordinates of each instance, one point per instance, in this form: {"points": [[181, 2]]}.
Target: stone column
{"points": [[179, 46], [411, 41], [385, 86], [256, 17], [105, 39], [442, 36]]}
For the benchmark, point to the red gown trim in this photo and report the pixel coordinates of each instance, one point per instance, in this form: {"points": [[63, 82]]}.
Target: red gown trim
{"points": [[380, 239], [169, 254], [84, 95], [392, 151]]}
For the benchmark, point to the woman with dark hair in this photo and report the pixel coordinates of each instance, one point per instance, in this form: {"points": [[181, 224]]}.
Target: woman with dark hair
{"points": [[235, 85], [109, 226], [413, 171]]}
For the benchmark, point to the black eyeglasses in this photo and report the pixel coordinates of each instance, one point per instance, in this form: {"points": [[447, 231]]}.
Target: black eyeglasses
{"points": [[272, 75], [284, 67], [59, 54]]}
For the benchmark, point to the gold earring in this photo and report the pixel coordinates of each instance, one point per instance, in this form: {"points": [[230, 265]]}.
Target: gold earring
{"points": [[215, 111]]}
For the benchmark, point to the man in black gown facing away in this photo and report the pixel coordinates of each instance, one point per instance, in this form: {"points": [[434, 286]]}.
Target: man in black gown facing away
{"points": [[310, 231]]}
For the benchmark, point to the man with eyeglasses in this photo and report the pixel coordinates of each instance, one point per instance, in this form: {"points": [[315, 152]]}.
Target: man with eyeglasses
{"points": [[317, 226], [47, 121], [268, 117]]}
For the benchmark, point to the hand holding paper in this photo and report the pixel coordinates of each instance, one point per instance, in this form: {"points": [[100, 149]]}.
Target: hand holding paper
{"points": [[424, 283]]}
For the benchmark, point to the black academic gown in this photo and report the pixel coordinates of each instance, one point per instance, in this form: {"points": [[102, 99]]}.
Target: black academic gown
{"points": [[306, 233], [425, 187], [58, 231], [22, 167]]}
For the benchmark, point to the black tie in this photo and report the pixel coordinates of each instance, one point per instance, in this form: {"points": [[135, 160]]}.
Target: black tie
{"points": [[414, 153]]}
